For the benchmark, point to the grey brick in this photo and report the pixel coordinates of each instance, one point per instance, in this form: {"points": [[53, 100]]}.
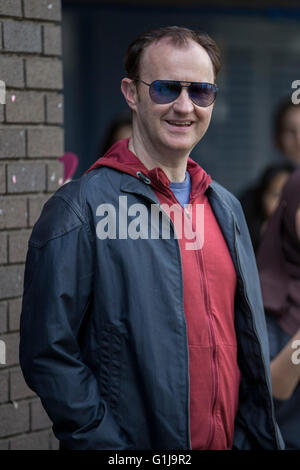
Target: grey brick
{"points": [[45, 142], [12, 341], [3, 248], [12, 142], [55, 176], [13, 212], [18, 387], [44, 72], [12, 71], [11, 8], [11, 284], [3, 316], [20, 36], [33, 441], [14, 312], [43, 9], [28, 106], [26, 177], [2, 179], [3, 386], [52, 40], [14, 418], [39, 417], [17, 246], [35, 207], [4, 444], [54, 108]]}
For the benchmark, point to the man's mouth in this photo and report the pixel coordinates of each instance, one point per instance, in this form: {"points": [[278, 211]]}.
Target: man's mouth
{"points": [[180, 123]]}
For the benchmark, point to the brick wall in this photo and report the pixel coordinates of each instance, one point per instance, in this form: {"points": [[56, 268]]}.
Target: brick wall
{"points": [[31, 140]]}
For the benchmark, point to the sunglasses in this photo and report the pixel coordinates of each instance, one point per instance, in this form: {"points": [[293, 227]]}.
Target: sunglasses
{"points": [[166, 91]]}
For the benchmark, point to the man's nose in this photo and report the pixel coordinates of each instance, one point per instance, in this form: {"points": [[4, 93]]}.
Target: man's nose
{"points": [[183, 104]]}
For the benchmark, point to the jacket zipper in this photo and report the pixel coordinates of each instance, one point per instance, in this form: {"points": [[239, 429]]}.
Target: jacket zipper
{"points": [[253, 325], [186, 338], [189, 445], [200, 261]]}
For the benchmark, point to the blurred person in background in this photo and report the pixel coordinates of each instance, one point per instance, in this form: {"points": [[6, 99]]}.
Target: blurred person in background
{"points": [[287, 131], [279, 268], [259, 201], [120, 128]]}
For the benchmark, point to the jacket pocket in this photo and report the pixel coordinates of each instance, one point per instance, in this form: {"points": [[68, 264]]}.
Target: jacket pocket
{"points": [[110, 365]]}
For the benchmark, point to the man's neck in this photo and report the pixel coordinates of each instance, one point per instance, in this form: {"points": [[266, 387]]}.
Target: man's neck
{"points": [[174, 169]]}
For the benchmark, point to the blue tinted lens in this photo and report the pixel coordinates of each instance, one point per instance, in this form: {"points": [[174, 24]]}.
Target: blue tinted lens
{"points": [[162, 92], [202, 94], [165, 91]]}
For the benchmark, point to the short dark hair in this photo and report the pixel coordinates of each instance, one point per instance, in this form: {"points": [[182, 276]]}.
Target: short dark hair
{"points": [[179, 36]]}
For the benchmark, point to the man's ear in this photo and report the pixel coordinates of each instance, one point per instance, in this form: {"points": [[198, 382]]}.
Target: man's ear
{"points": [[129, 91]]}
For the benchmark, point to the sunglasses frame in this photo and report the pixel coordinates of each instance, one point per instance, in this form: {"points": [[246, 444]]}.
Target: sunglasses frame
{"points": [[179, 82]]}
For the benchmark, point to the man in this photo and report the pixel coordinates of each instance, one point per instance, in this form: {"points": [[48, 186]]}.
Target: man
{"points": [[134, 339]]}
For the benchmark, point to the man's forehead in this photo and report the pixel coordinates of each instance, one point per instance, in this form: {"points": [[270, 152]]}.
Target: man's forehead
{"points": [[156, 48], [165, 52]]}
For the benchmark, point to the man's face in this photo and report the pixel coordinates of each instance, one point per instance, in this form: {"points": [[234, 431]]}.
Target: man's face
{"points": [[271, 196], [158, 125]]}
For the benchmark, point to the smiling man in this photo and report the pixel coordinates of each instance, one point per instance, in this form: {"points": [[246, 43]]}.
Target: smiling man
{"points": [[138, 341], [167, 122]]}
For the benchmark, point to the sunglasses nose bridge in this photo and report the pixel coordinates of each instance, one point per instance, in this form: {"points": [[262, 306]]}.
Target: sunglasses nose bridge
{"points": [[184, 99]]}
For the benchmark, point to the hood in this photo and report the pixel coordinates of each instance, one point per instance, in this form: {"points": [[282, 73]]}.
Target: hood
{"points": [[122, 159]]}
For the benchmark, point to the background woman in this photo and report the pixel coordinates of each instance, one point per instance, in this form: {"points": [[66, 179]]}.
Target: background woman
{"points": [[279, 267]]}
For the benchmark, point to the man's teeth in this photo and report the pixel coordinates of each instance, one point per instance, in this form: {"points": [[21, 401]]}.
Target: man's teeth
{"points": [[175, 123]]}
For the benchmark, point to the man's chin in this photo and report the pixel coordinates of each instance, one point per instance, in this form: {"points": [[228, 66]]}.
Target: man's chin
{"points": [[180, 145]]}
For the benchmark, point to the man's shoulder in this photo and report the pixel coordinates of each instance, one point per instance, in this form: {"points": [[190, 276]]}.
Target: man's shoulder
{"points": [[230, 202], [79, 189], [77, 192], [227, 197], [67, 208]]}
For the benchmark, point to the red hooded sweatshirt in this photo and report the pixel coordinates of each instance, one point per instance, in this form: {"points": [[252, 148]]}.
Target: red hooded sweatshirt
{"points": [[209, 284]]}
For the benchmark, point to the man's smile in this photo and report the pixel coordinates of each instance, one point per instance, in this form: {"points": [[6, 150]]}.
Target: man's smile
{"points": [[179, 124]]}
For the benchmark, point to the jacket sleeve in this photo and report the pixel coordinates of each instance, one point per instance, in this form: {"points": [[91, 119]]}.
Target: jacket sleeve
{"points": [[57, 291]]}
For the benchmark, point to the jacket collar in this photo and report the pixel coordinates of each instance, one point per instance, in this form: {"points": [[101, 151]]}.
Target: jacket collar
{"points": [[137, 179], [135, 186], [226, 219], [122, 159]]}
